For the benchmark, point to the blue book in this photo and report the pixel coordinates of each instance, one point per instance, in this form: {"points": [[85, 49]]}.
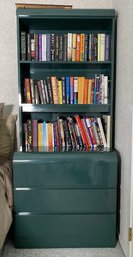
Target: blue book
{"points": [[67, 90], [44, 134]]}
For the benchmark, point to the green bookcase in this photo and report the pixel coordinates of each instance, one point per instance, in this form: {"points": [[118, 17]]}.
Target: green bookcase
{"points": [[65, 199]]}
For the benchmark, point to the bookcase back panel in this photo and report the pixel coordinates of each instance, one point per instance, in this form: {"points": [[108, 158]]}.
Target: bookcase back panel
{"points": [[62, 24]]}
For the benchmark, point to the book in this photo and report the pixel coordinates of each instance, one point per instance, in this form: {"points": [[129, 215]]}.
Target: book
{"points": [[27, 90], [23, 45], [35, 134], [54, 89]]}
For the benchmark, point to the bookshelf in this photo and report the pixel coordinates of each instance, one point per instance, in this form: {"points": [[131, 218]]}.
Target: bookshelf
{"points": [[63, 196]]}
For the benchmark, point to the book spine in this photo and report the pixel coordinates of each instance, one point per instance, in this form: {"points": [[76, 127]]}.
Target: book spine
{"points": [[52, 47], [77, 57], [54, 90], [36, 94], [56, 47], [29, 135], [75, 90], [43, 91], [73, 47], [28, 47], [69, 47], [27, 90], [82, 44], [65, 47], [60, 91], [48, 50], [63, 90], [23, 45], [43, 47], [35, 134], [46, 91], [67, 90], [32, 91], [101, 131], [49, 90], [77, 118], [40, 46], [40, 91], [60, 56], [32, 44], [86, 48], [71, 90], [36, 47]]}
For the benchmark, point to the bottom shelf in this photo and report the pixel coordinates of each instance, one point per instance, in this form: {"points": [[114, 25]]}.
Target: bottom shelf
{"points": [[51, 231]]}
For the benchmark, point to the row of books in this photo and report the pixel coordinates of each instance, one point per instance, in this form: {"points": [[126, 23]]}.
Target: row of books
{"points": [[68, 133], [67, 90], [65, 47]]}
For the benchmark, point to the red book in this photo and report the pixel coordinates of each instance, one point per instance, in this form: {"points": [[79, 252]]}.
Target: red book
{"points": [[86, 134], [27, 90], [78, 120]]}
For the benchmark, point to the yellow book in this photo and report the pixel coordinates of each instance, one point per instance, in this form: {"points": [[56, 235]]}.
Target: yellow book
{"points": [[89, 90], [81, 82], [73, 47], [60, 91], [99, 47], [39, 136], [82, 50]]}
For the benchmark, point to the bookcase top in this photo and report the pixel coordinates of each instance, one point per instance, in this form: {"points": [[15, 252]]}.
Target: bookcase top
{"points": [[23, 12]]}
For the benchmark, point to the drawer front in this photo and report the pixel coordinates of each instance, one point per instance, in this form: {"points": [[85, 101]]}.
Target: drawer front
{"points": [[65, 170], [65, 201], [34, 231]]}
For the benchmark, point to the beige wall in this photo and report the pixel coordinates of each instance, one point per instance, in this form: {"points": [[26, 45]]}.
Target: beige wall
{"points": [[124, 101]]}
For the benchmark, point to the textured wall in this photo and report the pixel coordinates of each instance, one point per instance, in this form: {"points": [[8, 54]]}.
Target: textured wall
{"points": [[124, 101]]}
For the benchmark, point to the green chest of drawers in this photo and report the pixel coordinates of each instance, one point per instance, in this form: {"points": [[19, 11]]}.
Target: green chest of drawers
{"points": [[65, 199]]}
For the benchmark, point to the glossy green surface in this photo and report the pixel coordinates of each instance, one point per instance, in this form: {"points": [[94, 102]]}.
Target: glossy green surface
{"points": [[65, 200], [43, 231], [65, 170]]}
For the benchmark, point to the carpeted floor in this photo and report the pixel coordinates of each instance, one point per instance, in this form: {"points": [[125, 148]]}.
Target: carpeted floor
{"points": [[10, 251]]}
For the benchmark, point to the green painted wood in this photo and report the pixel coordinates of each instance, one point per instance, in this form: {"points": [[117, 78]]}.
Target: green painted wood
{"points": [[66, 108], [64, 200], [37, 231], [94, 13], [65, 169]]}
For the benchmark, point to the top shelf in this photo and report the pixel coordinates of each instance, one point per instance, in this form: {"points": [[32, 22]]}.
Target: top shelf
{"points": [[95, 13], [66, 62]]}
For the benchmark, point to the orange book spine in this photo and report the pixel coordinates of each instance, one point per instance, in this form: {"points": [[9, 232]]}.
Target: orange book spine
{"points": [[77, 57], [55, 90], [82, 50], [27, 90], [86, 92], [81, 81]]}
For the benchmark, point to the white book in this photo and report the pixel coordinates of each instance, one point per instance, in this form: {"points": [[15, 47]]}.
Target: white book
{"points": [[105, 100], [102, 50], [43, 47], [69, 47], [102, 131]]}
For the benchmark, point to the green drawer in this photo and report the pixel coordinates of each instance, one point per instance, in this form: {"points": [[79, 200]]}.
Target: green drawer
{"points": [[65, 170], [40, 231], [65, 201]]}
